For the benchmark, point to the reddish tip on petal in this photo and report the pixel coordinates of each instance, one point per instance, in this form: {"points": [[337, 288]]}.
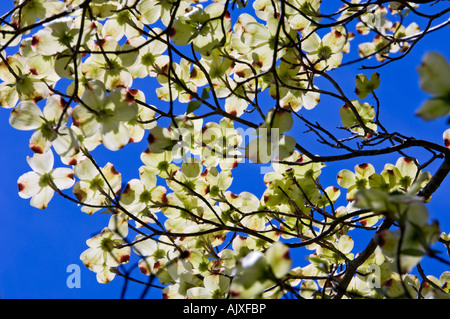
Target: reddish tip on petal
{"points": [[240, 73], [37, 149], [381, 239], [124, 259], [447, 142], [185, 254], [194, 73], [129, 98], [300, 160], [165, 68], [337, 34], [37, 99], [34, 41], [78, 196], [133, 92], [363, 165], [143, 270], [164, 199], [388, 283], [73, 161], [127, 189], [113, 170], [151, 138], [76, 122], [21, 186], [34, 71], [100, 43], [407, 160]]}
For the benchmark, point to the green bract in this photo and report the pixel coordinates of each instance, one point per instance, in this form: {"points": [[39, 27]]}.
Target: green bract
{"points": [[434, 79], [364, 86]]}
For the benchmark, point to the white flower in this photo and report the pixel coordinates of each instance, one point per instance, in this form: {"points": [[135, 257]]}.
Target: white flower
{"points": [[39, 184]]}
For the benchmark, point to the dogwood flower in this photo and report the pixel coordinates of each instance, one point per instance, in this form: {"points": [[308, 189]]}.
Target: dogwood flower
{"points": [[23, 85], [155, 254], [28, 116], [111, 68], [93, 188], [142, 197], [355, 181], [325, 52], [40, 184], [104, 253], [106, 114]]}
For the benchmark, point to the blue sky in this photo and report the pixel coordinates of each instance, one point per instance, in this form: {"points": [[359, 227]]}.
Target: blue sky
{"points": [[39, 245]]}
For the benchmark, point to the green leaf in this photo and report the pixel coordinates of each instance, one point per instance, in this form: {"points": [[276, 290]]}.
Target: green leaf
{"points": [[193, 105], [434, 74], [433, 108], [412, 252], [205, 93]]}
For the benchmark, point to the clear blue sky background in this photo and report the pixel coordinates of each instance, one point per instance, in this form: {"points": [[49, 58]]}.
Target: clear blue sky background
{"points": [[39, 245]]}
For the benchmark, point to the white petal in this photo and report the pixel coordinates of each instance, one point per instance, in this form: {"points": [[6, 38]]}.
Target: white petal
{"points": [[41, 199], [26, 116], [435, 74], [28, 184], [115, 135], [92, 257], [63, 177], [40, 143], [94, 95], [144, 247], [85, 170], [311, 43], [118, 225], [41, 163], [105, 275]]}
